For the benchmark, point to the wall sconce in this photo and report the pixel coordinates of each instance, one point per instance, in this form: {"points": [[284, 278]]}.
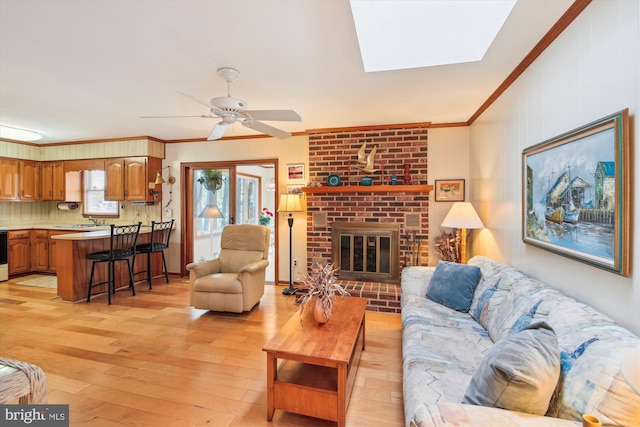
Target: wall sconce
{"points": [[160, 180]]}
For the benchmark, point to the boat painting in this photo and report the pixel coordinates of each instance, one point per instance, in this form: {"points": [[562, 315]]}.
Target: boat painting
{"points": [[571, 194]]}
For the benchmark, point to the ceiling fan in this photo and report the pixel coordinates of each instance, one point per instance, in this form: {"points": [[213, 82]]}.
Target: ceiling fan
{"points": [[232, 110]]}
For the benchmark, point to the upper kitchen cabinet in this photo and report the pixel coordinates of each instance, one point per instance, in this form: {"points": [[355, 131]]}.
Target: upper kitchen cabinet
{"points": [[128, 178], [29, 180], [53, 181], [8, 179]]}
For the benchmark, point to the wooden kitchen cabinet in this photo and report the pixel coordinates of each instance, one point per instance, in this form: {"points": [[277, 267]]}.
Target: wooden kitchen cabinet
{"points": [[128, 178], [29, 180], [52, 181], [135, 179], [39, 250], [114, 177], [53, 249], [8, 179], [58, 181], [19, 252]]}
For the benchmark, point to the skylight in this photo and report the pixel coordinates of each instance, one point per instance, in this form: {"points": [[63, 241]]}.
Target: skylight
{"points": [[399, 34]]}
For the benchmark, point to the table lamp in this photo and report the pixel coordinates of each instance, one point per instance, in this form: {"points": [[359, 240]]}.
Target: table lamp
{"points": [[290, 203], [461, 216]]}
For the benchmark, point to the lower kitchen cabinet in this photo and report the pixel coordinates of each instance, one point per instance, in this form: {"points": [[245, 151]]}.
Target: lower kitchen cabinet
{"points": [[19, 252]]}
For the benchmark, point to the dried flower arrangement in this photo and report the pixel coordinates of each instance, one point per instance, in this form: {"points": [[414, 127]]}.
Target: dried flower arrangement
{"points": [[448, 246], [321, 284]]}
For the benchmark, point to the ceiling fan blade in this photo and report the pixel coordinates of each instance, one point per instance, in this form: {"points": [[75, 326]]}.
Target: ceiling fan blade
{"points": [[274, 115], [206, 104], [218, 130], [265, 128], [176, 117]]}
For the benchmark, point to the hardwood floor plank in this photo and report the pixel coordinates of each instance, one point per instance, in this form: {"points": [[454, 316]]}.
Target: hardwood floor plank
{"points": [[151, 360]]}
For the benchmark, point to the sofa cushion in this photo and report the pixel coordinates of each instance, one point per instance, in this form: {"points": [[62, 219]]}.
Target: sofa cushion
{"points": [[452, 285], [519, 373]]}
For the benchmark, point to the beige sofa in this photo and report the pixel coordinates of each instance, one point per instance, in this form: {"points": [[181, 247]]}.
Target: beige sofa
{"points": [[233, 282]]}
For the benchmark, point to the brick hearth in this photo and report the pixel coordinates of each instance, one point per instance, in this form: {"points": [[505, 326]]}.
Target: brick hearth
{"points": [[383, 297]]}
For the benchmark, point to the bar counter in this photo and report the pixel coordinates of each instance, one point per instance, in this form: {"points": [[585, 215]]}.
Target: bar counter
{"points": [[74, 269]]}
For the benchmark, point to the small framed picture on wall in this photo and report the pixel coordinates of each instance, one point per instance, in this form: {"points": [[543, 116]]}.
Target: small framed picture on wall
{"points": [[295, 171], [449, 190]]}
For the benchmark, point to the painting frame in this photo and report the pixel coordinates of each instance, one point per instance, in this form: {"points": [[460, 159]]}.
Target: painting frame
{"points": [[576, 194], [295, 171], [449, 190]]}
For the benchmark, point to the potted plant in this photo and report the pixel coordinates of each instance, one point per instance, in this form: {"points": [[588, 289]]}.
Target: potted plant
{"points": [[321, 289], [265, 217], [211, 179]]}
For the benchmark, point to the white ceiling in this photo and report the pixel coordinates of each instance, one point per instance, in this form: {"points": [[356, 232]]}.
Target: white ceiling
{"points": [[81, 70]]}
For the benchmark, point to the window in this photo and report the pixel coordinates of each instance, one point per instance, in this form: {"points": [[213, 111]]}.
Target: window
{"points": [[94, 203]]}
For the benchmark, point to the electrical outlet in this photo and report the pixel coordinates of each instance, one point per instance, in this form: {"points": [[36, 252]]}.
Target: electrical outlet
{"points": [[295, 262]]}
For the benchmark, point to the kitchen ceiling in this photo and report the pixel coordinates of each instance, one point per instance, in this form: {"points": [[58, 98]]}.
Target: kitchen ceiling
{"points": [[83, 70]]}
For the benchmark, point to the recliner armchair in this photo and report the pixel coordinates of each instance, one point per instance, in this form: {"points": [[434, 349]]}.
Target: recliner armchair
{"points": [[233, 282]]}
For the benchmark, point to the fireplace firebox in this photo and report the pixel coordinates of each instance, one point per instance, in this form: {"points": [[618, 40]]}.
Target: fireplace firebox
{"points": [[366, 251]]}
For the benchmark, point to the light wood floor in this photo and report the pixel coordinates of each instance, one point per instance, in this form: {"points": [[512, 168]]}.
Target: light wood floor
{"points": [[150, 360]]}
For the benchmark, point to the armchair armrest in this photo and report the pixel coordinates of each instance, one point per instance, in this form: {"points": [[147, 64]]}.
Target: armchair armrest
{"points": [[203, 268], [254, 266]]}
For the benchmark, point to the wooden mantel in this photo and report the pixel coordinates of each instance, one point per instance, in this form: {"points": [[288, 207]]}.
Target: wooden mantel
{"points": [[346, 189]]}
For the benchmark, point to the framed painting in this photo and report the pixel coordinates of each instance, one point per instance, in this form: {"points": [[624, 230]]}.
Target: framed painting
{"points": [[295, 171], [576, 194], [295, 189], [449, 190]]}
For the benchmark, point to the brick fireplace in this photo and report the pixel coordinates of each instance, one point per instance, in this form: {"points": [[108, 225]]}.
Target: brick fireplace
{"points": [[336, 152]]}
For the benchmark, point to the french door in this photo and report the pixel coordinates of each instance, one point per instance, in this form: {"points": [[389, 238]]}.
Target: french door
{"points": [[245, 190]]}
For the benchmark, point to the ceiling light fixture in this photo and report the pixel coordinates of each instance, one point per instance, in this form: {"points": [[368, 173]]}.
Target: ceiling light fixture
{"points": [[17, 134]]}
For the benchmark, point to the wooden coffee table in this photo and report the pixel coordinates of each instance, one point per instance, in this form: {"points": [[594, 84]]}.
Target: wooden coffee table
{"points": [[319, 363]]}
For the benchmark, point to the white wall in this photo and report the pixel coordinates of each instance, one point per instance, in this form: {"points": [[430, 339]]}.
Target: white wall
{"points": [[448, 158], [291, 150], [590, 71]]}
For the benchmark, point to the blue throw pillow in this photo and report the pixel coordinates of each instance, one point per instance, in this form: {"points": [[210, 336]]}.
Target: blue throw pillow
{"points": [[453, 285]]}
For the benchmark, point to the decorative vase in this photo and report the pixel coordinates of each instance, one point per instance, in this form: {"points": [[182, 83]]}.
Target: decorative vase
{"points": [[318, 312]]}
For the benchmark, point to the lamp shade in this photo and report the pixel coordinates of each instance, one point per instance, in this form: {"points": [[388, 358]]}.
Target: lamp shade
{"points": [[462, 215], [159, 179], [211, 211], [289, 203]]}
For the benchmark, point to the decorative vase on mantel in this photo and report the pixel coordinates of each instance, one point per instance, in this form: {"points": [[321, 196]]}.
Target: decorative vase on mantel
{"points": [[321, 289]]}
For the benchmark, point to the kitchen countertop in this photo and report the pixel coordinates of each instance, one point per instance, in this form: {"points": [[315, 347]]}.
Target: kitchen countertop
{"points": [[79, 233]]}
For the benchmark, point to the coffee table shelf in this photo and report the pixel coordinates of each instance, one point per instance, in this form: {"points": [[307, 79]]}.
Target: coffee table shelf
{"points": [[320, 362]]}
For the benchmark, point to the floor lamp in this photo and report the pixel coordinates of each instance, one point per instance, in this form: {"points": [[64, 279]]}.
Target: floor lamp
{"points": [[211, 211], [290, 203], [461, 216]]}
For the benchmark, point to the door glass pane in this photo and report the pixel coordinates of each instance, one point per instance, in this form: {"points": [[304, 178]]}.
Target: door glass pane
{"points": [[211, 209]]}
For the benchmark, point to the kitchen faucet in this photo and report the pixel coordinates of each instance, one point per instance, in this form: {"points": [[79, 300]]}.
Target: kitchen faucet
{"points": [[92, 219]]}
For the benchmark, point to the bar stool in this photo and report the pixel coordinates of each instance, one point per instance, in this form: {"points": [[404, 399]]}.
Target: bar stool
{"points": [[160, 234], [122, 246]]}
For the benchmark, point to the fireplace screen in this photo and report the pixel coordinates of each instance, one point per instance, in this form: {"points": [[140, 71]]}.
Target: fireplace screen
{"points": [[366, 251]]}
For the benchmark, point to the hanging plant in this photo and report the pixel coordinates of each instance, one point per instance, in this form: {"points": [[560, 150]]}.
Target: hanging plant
{"points": [[211, 179]]}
